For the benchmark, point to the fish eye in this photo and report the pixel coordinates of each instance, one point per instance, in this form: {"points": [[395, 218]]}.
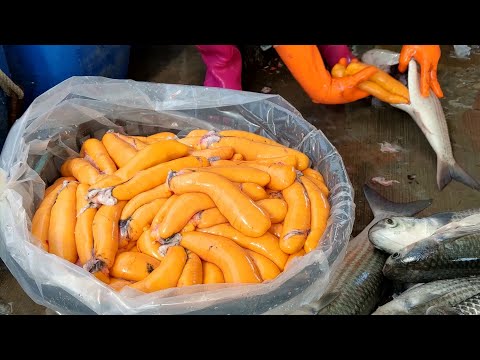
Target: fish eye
{"points": [[396, 255], [390, 221]]}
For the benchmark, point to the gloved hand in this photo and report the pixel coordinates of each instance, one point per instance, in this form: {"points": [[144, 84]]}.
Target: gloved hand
{"points": [[427, 56], [307, 67], [381, 85]]}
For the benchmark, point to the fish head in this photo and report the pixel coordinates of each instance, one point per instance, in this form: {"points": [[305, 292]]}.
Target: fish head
{"points": [[399, 265], [381, 58], [394, 233]]}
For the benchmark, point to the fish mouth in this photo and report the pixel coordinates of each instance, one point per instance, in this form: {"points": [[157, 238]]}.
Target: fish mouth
{"points": [[389, 267], [376, 238], [384, 243]]}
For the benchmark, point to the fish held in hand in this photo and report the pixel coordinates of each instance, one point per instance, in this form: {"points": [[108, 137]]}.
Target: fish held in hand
{"points": [[427, 112]]}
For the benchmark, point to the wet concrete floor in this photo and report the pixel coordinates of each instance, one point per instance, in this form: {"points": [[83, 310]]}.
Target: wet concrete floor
{"points": [[355, 129]]}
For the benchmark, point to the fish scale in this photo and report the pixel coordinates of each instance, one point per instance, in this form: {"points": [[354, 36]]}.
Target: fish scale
{"points": [[362, 276], [357, 284], [470, 306], [429, 260], [417, 299]]}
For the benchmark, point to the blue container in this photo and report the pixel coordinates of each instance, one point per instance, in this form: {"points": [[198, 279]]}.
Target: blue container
{"points": [[37, 68], [3, 101]]}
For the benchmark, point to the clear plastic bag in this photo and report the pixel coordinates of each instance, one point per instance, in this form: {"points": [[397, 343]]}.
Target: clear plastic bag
{"points": [[58, 121]]}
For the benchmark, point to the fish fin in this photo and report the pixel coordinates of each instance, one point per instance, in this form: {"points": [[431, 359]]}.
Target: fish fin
{"points": [[443, 174], [444, 218], [382, 207], [471, 223], [446, 172], [404, 107], [421, 298], [441, 310], [412, 285], [316, 306], [417, 117], [456, 230], [326, 300]]}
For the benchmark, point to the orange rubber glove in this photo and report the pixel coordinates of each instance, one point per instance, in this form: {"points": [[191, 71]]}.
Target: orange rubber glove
{"points": [[427, 56], [381, 85], [307, 67]]}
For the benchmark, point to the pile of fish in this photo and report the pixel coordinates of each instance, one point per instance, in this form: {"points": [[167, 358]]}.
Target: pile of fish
{"points": [[358, 284], [433, 261], [404, 265], [439, 253]]}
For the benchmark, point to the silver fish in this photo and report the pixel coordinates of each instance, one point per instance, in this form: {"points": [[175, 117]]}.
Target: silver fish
{"points": [[440, 256], [470, 306], [419, 298], [428, 114], [394, 233], [381, 58], [357, 284]]}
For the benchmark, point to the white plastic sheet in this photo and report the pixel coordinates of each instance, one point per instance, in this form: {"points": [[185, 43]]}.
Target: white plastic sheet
{"points": [[54, 127]]}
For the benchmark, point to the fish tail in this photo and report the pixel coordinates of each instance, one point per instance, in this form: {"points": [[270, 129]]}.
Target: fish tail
{"points": [[446, 172], [383, 207]]}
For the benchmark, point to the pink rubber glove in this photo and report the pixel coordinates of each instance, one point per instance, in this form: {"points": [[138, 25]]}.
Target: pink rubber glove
{"points": [[333, 53], [224, 66]]}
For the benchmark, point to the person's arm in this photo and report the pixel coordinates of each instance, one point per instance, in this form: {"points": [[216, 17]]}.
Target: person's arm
{"points": [[333, 53], [427, 56], [307, 67]]}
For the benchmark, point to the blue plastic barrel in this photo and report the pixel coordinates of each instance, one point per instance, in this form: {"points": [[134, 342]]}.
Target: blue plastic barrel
{"points": [[37, 68], [3, 101]]}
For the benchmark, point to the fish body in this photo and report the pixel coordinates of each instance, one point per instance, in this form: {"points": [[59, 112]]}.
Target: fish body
{"points": [[436, 257], [470, 306], [394, 233], [419, 298], [356, 285]]}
